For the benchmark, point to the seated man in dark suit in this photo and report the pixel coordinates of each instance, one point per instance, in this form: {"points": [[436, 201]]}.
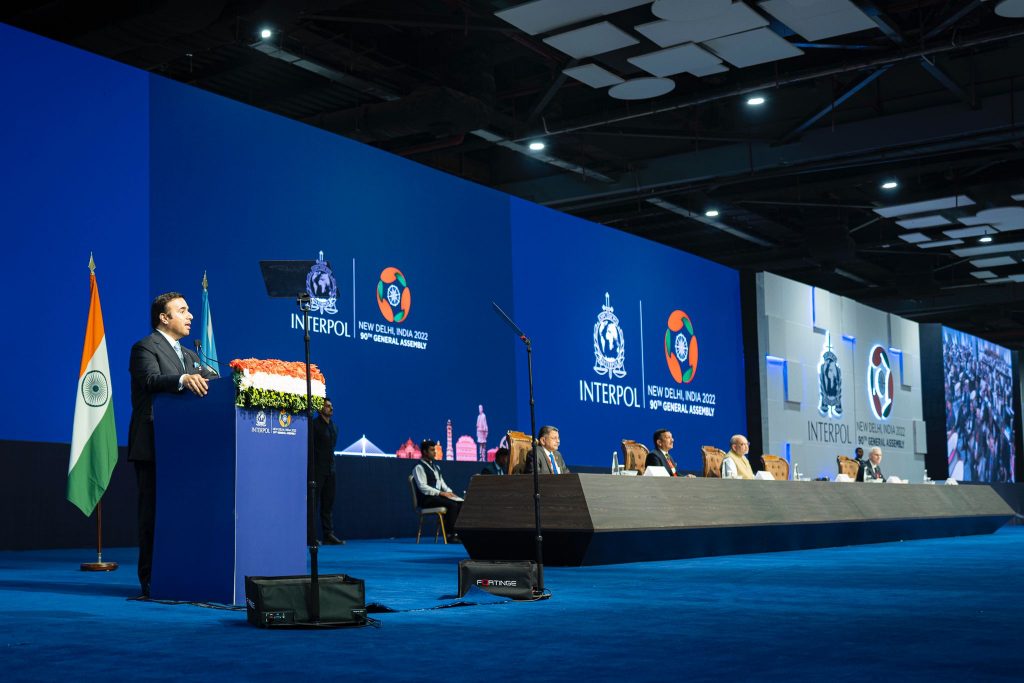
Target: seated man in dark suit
{"points": [[872, 470], [546, 453], [500, 464], [658, 456], [431, 489]]}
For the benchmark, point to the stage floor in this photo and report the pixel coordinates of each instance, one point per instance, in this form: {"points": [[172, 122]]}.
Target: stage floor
{"points": [[930, 610]]}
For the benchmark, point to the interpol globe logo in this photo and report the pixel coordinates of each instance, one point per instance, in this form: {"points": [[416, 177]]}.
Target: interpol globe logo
{"points": [[881, 388], [95, 389], [681, 347], [393, 295], [322, 287], [609, 342]]}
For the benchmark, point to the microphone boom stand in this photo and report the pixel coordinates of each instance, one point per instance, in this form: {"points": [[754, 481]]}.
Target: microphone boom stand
{"points": [[533, 437]]}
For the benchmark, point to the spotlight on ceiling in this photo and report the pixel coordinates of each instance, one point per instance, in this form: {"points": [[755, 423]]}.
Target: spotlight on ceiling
{"points": [[537, 146], [711, 213], [265, 33], [755, 101], [890, 185], [985, 239]]}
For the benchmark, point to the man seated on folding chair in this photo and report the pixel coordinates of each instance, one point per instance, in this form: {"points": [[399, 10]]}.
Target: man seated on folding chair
{"points": [[431, 490]]}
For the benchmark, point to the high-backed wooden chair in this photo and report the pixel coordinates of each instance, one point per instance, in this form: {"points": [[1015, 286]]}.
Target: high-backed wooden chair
{"points": [[848, 466], [634, 456], [427, 512], [712, 458], [519, 445], [776, 465]]}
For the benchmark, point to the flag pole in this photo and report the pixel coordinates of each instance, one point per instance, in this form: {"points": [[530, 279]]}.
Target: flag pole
{"points": [[100, 386], [99, 565]]}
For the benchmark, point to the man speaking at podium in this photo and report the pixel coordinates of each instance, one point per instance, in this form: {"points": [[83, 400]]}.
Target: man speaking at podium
{"points": [[158, 364]]}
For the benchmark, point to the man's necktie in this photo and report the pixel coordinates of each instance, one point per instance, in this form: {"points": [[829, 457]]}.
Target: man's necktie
{"points": [[181, 356], [554, 465], [671, 465]]}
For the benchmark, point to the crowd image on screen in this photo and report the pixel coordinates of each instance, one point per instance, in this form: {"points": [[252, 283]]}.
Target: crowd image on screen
{"points": [[979, 408]]}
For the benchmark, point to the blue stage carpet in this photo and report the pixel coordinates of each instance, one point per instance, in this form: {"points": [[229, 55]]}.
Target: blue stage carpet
{"points": [[933, 610]]}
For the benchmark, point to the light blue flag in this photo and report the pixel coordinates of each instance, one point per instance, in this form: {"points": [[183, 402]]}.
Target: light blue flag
{"points": [[209, 346]]}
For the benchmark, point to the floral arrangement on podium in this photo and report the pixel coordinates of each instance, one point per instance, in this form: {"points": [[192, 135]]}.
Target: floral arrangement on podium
{"points": [[276, 384]]}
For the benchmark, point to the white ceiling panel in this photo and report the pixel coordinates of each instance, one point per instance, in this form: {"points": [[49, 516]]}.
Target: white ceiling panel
{"points": [[915, 237], [591, 40], [753, 47], [968, 232], [923, 222], [817, 19], [993, 262], [989, 249], [1017, 277], [983, 274], [689, 10], [929, 205], [642, 88], [1002, 218], [940, 243], [676, 60], [593, 75], [542, 16], [1017, 197], [737, 19]]}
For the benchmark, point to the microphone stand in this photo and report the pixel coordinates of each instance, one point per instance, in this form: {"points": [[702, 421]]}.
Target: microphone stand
{"points": [[533, 437], [303, 301], [203, 358]]}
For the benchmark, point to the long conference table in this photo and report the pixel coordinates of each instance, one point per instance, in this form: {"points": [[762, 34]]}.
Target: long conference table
{"points": [[591, 519]]}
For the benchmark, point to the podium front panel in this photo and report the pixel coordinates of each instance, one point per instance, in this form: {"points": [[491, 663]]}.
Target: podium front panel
{"points": [[270, 495]]}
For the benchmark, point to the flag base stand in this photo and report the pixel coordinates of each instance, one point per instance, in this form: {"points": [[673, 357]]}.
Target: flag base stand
{"points": [[98, 566]]}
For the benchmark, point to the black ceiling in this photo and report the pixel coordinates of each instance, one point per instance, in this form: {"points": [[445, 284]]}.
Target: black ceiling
{"points": [[928, 95]]}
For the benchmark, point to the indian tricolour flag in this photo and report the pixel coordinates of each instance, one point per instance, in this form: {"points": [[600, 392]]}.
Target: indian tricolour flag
{"points": [[94, 438]]}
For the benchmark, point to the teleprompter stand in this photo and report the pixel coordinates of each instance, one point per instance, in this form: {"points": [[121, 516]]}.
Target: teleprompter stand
{"points": [[540, 592], [286, 280]]}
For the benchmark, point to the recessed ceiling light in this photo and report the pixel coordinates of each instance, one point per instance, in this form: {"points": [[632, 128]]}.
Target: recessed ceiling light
{"points": [[711, 213], [985, 239], [537, 146], [755, 101], [266, 33], [890, 185]]}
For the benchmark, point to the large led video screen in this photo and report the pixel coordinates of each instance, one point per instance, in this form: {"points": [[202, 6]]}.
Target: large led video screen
{"points": [[979, 408]]}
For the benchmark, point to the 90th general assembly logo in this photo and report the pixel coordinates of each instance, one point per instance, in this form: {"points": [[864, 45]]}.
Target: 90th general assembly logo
{"points": [[322, 287], [393, 295], [881, 388], [284, 418], [681, 347]]}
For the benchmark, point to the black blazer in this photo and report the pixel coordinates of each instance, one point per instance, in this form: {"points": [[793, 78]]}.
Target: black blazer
{"points": [[155, 368], [656, 459], [868, 471]]}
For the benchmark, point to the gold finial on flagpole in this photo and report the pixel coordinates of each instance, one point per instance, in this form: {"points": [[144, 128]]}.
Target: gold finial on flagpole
{"points": [[204, 279], [92, 265]]}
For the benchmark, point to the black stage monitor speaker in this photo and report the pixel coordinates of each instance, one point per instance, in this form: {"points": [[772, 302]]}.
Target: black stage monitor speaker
{"points": [[283, 601], [516, 579]]}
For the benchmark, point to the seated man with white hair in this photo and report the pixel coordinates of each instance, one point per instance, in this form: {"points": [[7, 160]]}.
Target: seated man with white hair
{"points": [[735, 464], [872, 469]]}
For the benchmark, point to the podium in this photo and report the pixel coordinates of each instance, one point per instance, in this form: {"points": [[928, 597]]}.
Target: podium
{"points": [[231, 495]]}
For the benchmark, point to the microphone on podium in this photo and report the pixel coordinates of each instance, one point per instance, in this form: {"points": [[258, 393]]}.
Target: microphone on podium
{"points": [[206, 360]]}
